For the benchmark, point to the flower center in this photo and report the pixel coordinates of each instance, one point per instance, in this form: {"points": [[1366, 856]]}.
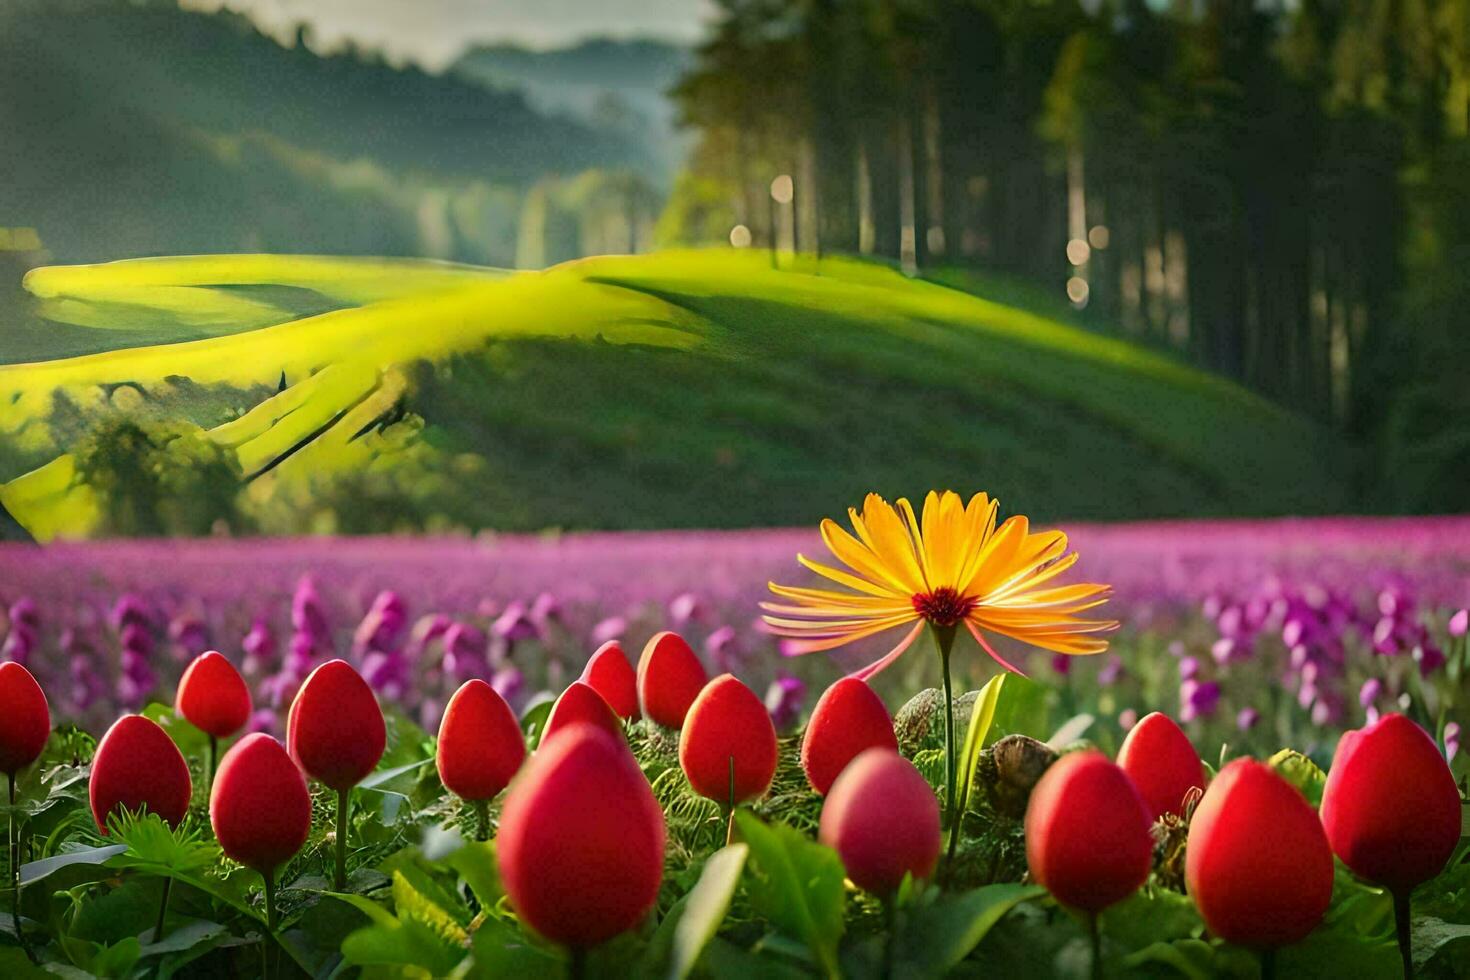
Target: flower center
{"points": [[943, 607]]}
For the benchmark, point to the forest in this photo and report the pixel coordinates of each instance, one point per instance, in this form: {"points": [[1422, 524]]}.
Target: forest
{"points": [[1274, 191]]}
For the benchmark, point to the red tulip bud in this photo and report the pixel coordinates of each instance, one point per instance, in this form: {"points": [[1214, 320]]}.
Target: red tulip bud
{"points": [[849, 718], [136, 766], [579, 704], [1088, 837], [335, 728], [1390, 807], [670, 677], [480, 744], [25, 719], [259, 807], [882, 818], [1162, 763], [581, 842], [609, 674], [1258, 865], [728, 746], [212, 696]]}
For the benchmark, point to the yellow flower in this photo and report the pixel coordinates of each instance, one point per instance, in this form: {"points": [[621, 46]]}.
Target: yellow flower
{"points": [[955, 566]]}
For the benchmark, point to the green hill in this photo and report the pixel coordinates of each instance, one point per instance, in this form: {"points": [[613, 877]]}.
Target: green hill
{"points": [[134, 127], [685, 389]]}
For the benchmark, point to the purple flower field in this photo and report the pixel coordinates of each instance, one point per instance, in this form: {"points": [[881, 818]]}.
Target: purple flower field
{"points": [[1270, 630]]}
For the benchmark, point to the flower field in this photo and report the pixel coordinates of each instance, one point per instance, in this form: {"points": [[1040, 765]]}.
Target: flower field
{"points": [[664, 819]]}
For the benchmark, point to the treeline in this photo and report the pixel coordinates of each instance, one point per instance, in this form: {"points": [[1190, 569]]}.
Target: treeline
{"points": [[1271, 188]]}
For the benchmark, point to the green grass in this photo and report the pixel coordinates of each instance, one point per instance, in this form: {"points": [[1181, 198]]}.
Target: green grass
{"points": [[675, 390]]}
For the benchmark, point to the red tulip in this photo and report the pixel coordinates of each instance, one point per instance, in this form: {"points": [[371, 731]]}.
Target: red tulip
{"points": [[1162, 763], [579, 704], [882, 818], [1088, 837], [137, 765], [259, 808], [728, 746], [609, 674], [25, 719], [581, 842], [480, 744], [335, 728], [212, 696], [670, 677], [1258, 865], [1390, 808], [848, 719]]}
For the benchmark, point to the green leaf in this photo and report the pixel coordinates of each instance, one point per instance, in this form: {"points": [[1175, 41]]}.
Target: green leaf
{"points": [[37, 870], [1430, 934], [704, 908], [934, 940], [982, 716], [1021, 710], [498, 951], [1191, 958], [155, 847], [796, 883], [475, 864], [378, 779], [1301, 772], [534, 718]]}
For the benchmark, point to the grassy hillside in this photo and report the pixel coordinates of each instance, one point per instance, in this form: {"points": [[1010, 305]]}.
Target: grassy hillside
{"points": [[673, 390], [132, 127]]}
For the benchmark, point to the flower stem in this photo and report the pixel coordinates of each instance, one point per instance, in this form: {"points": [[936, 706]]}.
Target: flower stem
{"points": [[168, 886], [344, 806], [209, 765], [578, 966], [20, 935], [482, 819], [1401, 920], [944, 638], [1268, 963], [270, 921], [1094, 934]]}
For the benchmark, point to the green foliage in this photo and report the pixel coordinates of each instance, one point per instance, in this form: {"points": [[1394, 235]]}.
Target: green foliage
{"points": [[796, 884]]}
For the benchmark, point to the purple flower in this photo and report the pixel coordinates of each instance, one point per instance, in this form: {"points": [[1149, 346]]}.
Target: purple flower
{"points": [[308, 615], [189, 635], [1127, 718], [684, 609], [1370, 692], [1188, 668], [1451, 740], [1111, 672], [515, 624], [1198, 699], [379, 629], [1247, 718], [723, 649], [608, 629], [1459, 623], [545, 609], [508, 683], [260, 647], [1061, 664], [23, 612], [784, 699], [129, 608]]}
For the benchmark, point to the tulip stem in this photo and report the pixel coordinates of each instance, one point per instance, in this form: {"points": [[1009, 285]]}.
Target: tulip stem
{"points": [[168, 886], [270, 920], [20, 935], [344, 806], [944, 637], [1268, 963], [578, 966], [482, 819], [1401, 920], [1094, 934], [209, 764]]}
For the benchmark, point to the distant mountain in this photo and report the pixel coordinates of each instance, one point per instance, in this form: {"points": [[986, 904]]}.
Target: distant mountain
{"points": [[617, 86], [132, 127]]}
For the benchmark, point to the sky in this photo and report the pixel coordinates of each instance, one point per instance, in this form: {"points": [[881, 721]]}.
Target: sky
{"points": [[433, 32]]}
